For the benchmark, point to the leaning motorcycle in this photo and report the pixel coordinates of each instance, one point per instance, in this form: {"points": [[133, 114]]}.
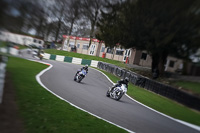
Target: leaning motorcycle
{"points": [[117, 92], [41, 56], [80, 75]]}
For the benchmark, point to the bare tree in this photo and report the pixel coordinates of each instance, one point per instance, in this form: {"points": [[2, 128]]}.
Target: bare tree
{"points": [[27, 15], [58, 10], [72, 15], [91, 10], [81, 28]]}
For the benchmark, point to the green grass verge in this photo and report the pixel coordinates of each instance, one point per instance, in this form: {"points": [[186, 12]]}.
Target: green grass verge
{"points": [[187, 85], [3, 44], [43, 112], [160, 103], [22, 46], [83, 56], [6, 44]]}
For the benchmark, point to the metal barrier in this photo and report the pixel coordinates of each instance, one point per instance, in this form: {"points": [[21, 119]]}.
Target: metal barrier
{"points": [[3, 60], [154, 86]]}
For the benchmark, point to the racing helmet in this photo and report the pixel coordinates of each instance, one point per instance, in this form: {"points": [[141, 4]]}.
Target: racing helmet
{"points": [[126, 79], [86, 66]]}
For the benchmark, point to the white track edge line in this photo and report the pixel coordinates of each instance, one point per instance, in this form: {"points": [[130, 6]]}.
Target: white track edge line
{"points": [[177, 120], [39, 81]]}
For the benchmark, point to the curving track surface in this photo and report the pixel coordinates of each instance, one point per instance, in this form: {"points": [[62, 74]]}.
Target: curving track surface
{"points": [[90, 95]]}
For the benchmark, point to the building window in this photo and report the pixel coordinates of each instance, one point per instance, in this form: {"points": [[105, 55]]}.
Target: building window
{"points": [[129, 52], [78, 45], [171, 63], [144, 56], [109, 50], [85, 46], [102, 49], [119, 52], [91, 52], [71, 44]]}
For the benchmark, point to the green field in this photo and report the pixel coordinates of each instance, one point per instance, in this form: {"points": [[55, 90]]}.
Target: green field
{"points": [[6, 44], [190, 86], [3, 44], [42, 112]]}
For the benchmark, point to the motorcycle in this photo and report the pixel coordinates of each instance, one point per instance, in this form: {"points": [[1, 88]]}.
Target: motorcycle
{"points": [[80, 75], [37, 54], [41, 56], [117, 92]]}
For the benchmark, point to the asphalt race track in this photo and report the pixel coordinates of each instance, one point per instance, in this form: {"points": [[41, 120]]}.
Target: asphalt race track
{"points": [[90, 95]]}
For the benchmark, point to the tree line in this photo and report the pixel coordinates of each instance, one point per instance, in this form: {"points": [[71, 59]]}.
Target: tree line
{"points": [[51, 17]]}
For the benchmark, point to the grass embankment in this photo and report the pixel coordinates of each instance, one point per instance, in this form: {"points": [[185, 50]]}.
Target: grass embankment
{"points": [[6, 44], [3, 44], [83, 56], [187, 85], [22, 46], [160, 103], [43, 112]]}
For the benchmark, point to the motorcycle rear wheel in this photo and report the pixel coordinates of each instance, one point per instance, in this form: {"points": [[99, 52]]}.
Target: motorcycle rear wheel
{"points": [[119, 96]]}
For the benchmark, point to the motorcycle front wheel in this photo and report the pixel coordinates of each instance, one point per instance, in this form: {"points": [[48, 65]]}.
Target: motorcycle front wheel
{"points": [[108, 93], [79, 79]]}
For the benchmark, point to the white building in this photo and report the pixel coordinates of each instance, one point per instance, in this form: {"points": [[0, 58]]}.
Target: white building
{"points": [[20, 39]]}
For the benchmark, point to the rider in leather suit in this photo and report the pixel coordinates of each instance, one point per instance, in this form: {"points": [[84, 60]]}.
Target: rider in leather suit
{"points": [[85, 68], [120, 82]]}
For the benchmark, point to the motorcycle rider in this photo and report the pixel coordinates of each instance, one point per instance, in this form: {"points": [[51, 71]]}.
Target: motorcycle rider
{"points": [[83, 68], [120, 82]]}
